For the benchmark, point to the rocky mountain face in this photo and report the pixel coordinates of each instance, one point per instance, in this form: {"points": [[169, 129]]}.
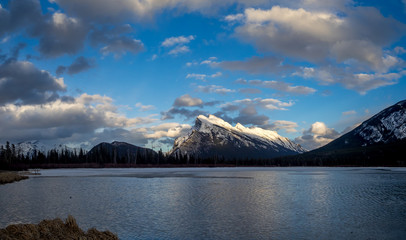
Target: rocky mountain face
{"points": [[388, 126], [121, 152], [213, 137], [380, 140]]}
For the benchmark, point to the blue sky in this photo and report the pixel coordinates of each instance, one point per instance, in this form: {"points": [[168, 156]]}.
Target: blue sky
{"points": [[80, 72]]}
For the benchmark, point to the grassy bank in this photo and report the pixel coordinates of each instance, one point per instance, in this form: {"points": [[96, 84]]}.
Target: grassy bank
{"points": [[53, 229], [9, 177]]}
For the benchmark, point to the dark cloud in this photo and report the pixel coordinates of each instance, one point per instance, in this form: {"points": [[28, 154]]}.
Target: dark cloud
{"points": [[250, 91], [58, 34], [115, 41], [187, 101], [79, 65], [186, 113], [22, 82]]}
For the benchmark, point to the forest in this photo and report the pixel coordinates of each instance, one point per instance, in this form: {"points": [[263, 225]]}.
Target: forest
{"points": [[103, 157]]}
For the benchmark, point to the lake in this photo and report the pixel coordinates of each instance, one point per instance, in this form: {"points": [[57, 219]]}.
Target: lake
{"points": [[217, 203]]}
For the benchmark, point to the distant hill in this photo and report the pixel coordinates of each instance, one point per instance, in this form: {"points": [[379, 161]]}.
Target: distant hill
{"points": [[380, 140], [212, 137], [121, 152]]}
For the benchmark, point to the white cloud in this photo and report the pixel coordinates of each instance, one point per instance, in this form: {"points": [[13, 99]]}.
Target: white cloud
{"points": [[203, 77], [267, 103], [234, 17], [144, 108], [179, 50], [288, 126], [214, 89], [196, 76], [317, 136], [217, 74], [171, 130], [181, 40], [178, 44]]}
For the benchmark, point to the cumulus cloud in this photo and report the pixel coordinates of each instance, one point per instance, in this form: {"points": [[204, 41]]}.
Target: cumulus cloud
{"points": [[311, 35], [21, 82], [141, 10], [317, 136], [63, 119], [187, 101], [280, 86], [214, 89], [61, 35], [57, 33], [79, 65], [352, 38]]}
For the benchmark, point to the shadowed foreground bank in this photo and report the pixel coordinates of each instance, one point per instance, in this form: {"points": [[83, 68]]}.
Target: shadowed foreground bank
{"points": [[53, 229], [9, 177]]}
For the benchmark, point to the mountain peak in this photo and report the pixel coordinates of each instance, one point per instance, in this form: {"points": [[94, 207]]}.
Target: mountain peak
{"points": [[214, 136]]}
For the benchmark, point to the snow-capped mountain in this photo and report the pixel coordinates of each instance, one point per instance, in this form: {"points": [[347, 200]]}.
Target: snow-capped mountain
{"points": [[386, 127], [379, 141], [212, 136], [28, 148]]}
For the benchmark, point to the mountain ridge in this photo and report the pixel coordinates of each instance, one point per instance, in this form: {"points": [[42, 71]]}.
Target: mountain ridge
{"points": [[213, 137]]}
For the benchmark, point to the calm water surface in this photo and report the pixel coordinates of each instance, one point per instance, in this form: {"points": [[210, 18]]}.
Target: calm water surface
{"points": [[220, 203]]}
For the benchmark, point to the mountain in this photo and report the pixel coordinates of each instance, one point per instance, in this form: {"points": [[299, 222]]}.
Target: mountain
{"points": [[28, 148], [121, 152], [213, 137], [380, 140]]}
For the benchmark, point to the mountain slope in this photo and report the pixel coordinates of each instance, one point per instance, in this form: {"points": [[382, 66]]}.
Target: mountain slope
{"points": [[213, 137], [380, 140], [121, 152]]}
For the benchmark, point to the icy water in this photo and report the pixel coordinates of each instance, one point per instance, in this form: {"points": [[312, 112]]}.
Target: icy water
{"points": [[217, 203]]}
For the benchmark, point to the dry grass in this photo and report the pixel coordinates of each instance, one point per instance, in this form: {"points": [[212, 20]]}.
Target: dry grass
{"points": [[53, 229], [9, 177]]}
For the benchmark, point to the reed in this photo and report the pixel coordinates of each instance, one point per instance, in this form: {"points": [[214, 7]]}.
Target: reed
{"points": [[53, 229], [9, 177]]}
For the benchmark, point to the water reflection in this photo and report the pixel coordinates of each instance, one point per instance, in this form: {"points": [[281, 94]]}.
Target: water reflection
{"points": [[261, 203]]}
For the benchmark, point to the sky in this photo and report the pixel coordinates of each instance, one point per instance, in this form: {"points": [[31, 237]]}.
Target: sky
{"points": [[81, 72]]}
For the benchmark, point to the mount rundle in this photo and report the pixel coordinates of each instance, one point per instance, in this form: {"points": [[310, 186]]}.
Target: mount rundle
{"points": [[213, 137]]}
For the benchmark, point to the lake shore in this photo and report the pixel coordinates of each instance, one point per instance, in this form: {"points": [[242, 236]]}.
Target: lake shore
{"points": [[9, 177], [53, 229]]}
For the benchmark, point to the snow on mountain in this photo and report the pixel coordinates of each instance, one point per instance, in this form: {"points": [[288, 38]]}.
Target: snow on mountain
{"points": [[30, 147], [386, 126], [214, 136]]}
